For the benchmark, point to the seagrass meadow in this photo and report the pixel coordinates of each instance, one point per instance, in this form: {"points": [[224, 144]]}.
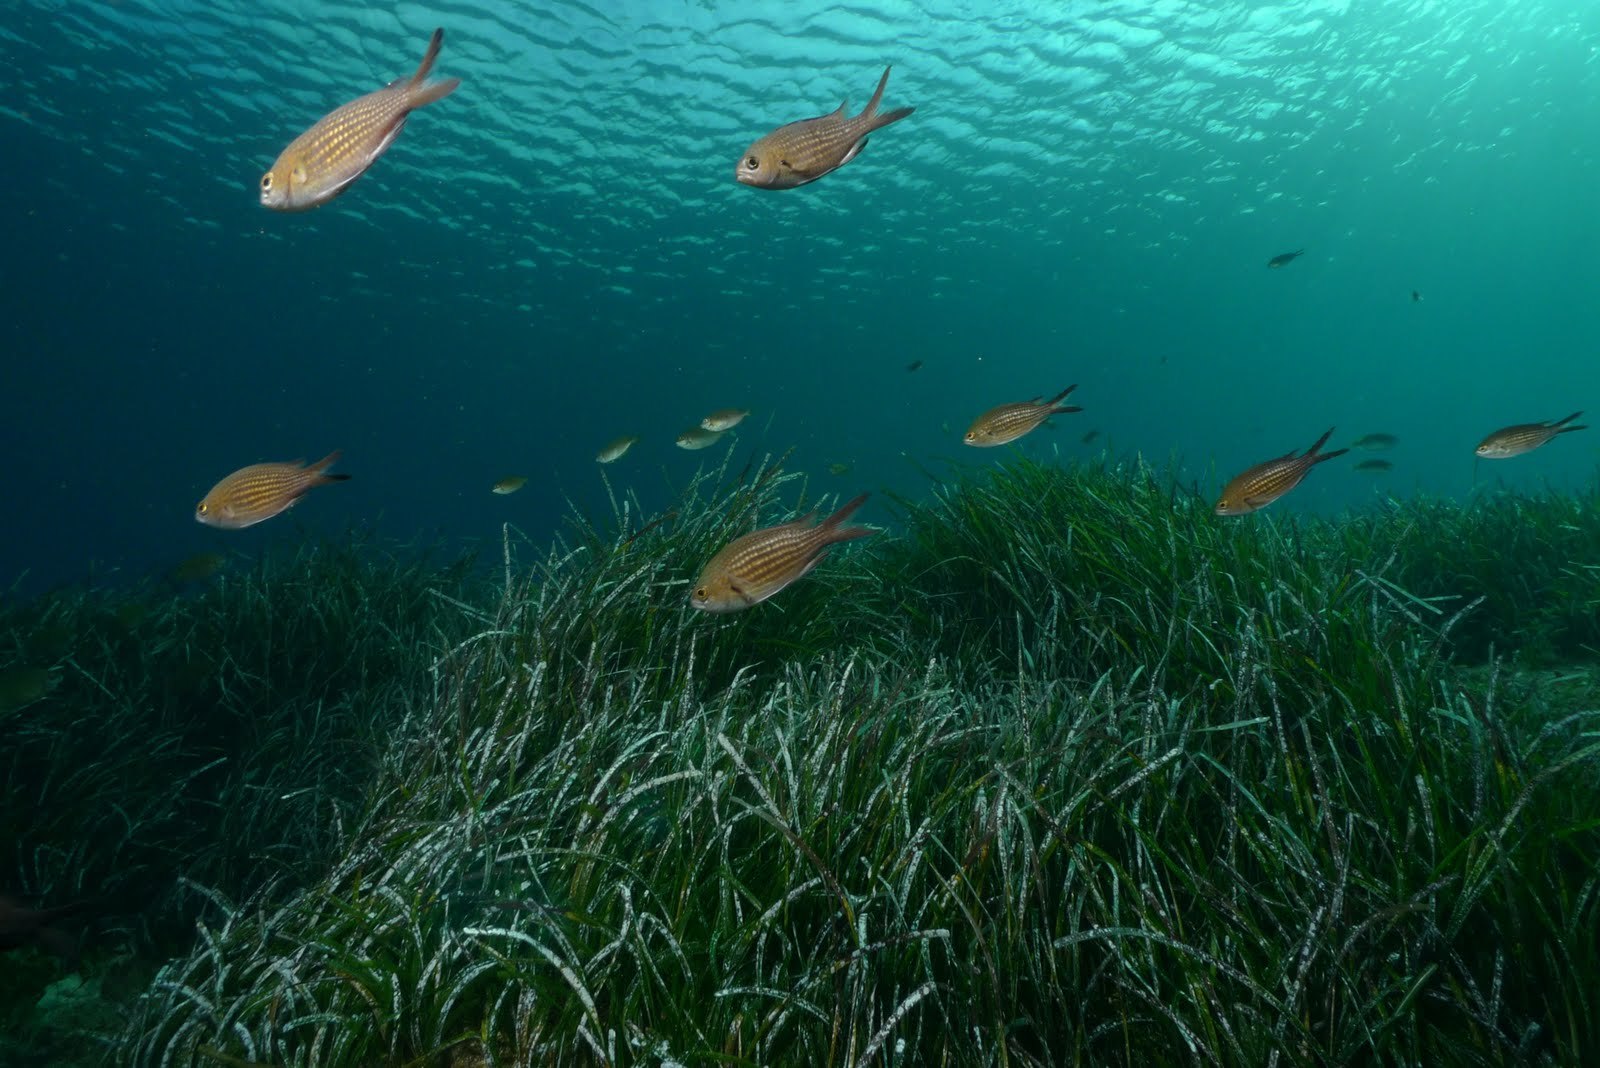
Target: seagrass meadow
{"points": [[1056, 769]]}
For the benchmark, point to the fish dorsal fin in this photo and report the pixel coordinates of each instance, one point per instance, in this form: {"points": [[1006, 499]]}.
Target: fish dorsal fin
{"points": [[877, 95], [429, 57]]}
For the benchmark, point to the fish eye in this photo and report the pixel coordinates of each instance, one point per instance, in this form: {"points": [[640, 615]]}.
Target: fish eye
{"points": [[204, 508], [266, 180], [971, 436], [752, 163], [701, 593]]}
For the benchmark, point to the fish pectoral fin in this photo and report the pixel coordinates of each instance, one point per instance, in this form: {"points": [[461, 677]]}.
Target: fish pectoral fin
{"points": [[393, 132], [855, 150]]}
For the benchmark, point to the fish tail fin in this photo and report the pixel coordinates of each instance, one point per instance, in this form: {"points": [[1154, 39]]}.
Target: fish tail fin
{"points": [[1318, 458], [422, 92], [1323, 440], [1562, 423], [1570, 429], [871, 112], [319, 470], [834, 524], [1055, 402]]}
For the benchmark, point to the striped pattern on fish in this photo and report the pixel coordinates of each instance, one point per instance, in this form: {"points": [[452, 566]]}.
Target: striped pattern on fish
{"points": [[804, 151], [1008, 422], [752, 568], [261, 491], [1524, 437], [322, 162], [1266, 482]]}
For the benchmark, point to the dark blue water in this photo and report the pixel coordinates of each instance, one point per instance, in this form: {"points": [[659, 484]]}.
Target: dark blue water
{"points": [[558, 253]]}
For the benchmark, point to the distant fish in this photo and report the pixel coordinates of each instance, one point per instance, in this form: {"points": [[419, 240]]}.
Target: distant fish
{"points": [[1373, 442], [614, 450], [1008, 422], [1375, 464], [804, 151], [197, 568], [1524, 437], [914, 365], [322, 162], [750, 569], [1088, 439], [1283, 258], [838, 469], [1264, 483], [261, 491], [698, 438], [1416, 298], [509, 484], [724, 419]]}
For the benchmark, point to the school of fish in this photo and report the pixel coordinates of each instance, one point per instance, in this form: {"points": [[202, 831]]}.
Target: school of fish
{"points": [[333, 152]]}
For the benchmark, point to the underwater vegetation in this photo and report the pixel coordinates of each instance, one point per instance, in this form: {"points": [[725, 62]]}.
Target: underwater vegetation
{"points": [[1058, 769]]}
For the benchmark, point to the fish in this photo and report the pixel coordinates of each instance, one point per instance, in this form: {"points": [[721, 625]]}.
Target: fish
{"points": [[801, 152], [509, 484], [1524, 437], [1088, 439], [698, 438], [838, 469], [724, 419], [914, 365], [1375, 441], [1283, 258], [1008, 422], [261, 491], [1416, 298], [1375, 464], [197, 568], [1266, 482], [322, 162], [752, 568], [614, 450]]}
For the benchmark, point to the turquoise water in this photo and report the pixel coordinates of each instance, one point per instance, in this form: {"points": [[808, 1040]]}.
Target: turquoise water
{"points": [[558, 253]]}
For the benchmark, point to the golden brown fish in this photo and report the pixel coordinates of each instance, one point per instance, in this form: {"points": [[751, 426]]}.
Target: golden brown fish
{"points": [[804, 151], [1008, 422], [1524, 437], [614, 450], [509, 484], [724, 419], [261, 491], [750, 569], [1283, 259], [1264, 483], [322, 162]]}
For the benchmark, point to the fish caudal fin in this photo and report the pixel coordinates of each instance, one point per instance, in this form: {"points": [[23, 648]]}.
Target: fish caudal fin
{"points": [[320, 469], [422, 93], [1320, 442], [1059, 397], [1562, 423], [834, 524], [1316, 456], [871, 112]]}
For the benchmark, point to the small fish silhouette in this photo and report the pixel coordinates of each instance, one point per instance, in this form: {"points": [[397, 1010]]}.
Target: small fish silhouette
{"points": [[1008, 422], [1283, 258], [914, 365], [1416, 297]]}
